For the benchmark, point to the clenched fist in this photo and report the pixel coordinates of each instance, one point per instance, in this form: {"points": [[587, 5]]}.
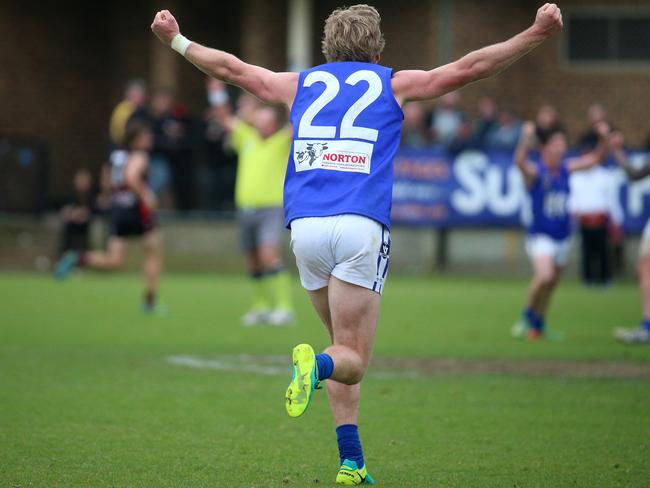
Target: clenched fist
{"points": [[165, 26], [549, 19]]}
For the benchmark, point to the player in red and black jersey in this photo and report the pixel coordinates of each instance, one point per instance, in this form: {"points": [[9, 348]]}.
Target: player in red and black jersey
{"points": [[131, 215]]}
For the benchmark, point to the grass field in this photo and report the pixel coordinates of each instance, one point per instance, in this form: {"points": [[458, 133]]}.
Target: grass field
{"points": [[91, 398]]}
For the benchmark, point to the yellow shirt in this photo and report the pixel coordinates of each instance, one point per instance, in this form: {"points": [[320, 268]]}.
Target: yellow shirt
{"points": [[119, 118], [261, 166]]}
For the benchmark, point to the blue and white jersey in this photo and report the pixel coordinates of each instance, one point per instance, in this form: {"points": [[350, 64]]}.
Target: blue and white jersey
{"points": [[548, 200], [346, 130]]}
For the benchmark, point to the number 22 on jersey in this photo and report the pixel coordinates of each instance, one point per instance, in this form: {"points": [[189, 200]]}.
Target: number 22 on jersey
{"points": [[343, 147]]}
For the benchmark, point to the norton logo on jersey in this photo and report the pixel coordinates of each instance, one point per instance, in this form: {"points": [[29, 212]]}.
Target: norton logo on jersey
{"points": [[345, 158], [335, 155]]}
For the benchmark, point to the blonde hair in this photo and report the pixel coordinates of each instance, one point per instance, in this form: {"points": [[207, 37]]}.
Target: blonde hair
{"points": [[353, 34]]}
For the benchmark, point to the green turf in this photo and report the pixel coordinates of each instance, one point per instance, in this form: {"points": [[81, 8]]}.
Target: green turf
{"points": [[88, 398]]}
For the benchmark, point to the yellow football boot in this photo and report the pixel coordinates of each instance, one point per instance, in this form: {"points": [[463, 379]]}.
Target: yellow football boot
{"points": [[303, 382], [350, 474]]}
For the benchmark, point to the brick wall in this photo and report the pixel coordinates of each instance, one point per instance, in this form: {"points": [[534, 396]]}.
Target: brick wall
{"points": [[625, 92], [53, 83], [212, 23], [544, 76]]}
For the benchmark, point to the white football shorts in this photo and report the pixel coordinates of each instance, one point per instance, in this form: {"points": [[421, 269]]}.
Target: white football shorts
{"points": [[543, 245], [353, 248]]}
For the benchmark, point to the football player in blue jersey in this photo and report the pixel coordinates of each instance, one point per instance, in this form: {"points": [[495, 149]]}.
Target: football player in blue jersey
{"points": [[347, 119], [549, 222]]}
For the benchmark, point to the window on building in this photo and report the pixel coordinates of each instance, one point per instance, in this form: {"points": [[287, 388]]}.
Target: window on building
{"points": [[606, 37]]}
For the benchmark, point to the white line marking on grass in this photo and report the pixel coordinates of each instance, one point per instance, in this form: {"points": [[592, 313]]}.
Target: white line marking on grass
{"points": [[267, 365], [406, 368], [240, 364]]}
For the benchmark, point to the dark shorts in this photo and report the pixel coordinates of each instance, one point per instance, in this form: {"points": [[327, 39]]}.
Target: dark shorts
{"points": [[132, 221], [261, 227]]}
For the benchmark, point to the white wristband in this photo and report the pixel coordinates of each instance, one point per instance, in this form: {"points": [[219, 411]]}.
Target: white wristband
{"points": [[180, 43]]}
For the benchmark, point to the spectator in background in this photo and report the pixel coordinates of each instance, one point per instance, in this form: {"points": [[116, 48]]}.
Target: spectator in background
{"points": [[172, 152], [595, 115], [101, 233], [103, 201], [77, 213], [595, 205], [221, 162], [464, 140], [415, 134], [447, 119], [159, 165], [132, 106], [488, 112], [262, 141], [247, 105], [506, 133], [547, 122]]}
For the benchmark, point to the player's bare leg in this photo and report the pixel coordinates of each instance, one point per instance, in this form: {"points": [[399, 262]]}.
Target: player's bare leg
{"points": [[549, 289], [640, 335], [546, 275], [344, 399], [110, 260], [344, 402], [541, 284], [152, 266], [252, 262], [278, 284], [269, 256], [321, 302], [272, 302], [260, 306], [350, 313], [355, 312], [644, 277]]}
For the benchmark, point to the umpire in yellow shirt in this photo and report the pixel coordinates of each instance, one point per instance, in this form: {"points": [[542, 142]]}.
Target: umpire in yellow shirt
{"points": [[262, 141]]}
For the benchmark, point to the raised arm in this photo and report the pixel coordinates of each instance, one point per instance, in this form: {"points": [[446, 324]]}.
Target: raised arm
{"points": [[268, 86], [616, 143], [477, 65], [596, 156], [526, 141], [223, 113]]}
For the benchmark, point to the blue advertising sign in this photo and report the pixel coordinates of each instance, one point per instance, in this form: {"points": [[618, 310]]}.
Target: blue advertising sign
{"points": [[484, 189]]}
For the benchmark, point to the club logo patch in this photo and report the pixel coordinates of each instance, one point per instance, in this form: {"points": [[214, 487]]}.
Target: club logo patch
{"points": [[314, 151], [385, 251]]}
